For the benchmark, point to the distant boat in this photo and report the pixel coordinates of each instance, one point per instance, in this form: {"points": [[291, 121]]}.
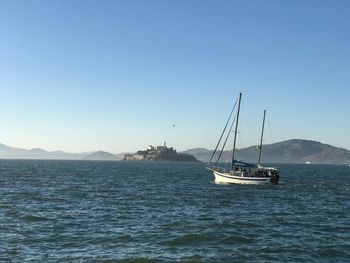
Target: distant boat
{"points": [[241, 172], [307, 162]]}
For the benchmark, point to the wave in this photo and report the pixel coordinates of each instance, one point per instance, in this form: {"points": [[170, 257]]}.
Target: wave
{"points": [[33, 218], [131, 260], [189, 239]]}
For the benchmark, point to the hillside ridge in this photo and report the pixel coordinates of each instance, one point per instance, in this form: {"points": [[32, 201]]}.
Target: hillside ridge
{"points": [[289, 151]]}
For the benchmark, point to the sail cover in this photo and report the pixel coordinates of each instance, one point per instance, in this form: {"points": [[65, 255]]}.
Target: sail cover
{"points": [[238, 163]]}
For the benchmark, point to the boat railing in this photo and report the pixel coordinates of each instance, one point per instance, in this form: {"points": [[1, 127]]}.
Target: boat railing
{"points": [[217, 168], [260, 172]]}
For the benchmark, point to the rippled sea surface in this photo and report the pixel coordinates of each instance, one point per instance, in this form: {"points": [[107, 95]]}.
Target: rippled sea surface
{"points": [[81, 211]]}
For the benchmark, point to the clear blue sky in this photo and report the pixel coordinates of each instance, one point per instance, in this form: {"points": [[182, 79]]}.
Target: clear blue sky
{"points": [[115, 75]]}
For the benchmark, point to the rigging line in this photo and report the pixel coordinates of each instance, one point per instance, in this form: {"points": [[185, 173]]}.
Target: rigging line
{"points": [[245, 125], [270, 134], [228, 134], [234, 106], [262, 136]]}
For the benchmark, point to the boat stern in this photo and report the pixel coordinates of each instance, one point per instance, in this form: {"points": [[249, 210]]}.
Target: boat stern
{"points": [[275, 177]]}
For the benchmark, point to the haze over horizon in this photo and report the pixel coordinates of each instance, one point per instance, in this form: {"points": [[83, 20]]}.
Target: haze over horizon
{"points": [[81, 76]]}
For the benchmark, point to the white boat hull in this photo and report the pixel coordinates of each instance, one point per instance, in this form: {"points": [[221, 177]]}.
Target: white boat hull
{"points": [[226, 178]]}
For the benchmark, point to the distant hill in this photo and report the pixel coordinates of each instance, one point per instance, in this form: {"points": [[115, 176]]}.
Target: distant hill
{"points": [[101, 155], [7, 152], [291, 151]]}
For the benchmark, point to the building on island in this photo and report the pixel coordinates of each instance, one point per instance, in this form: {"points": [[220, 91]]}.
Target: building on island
{"points": [[159, 153]]}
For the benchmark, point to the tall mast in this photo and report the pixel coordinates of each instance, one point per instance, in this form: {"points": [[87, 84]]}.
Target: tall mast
{"points": [[261, 138], [234, 142]]}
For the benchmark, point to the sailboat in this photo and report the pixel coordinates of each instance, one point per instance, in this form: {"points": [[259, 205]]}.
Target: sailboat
{"points": [[241, 172]]}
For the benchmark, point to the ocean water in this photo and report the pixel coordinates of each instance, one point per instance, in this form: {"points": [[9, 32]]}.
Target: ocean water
{"points": [[83, 211]]}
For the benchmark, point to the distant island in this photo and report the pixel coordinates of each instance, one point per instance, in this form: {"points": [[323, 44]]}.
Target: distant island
{"points": [[159, 153]]}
